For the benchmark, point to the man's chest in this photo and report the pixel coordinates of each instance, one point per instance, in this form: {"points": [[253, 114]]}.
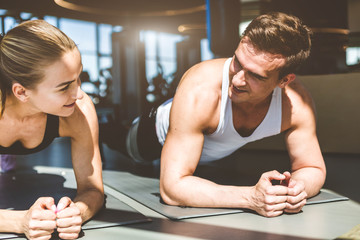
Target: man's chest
{"points": [[246, 124]]}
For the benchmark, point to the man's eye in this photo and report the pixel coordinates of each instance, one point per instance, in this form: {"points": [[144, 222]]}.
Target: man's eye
{"points": [[257, 76], [238, 66]]}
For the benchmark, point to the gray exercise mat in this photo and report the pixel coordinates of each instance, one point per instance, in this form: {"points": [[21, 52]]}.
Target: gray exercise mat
{"points": [[20, 191], [324, 197], [146, 191]]}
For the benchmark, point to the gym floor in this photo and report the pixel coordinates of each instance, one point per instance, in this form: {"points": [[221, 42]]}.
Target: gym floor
{"points": [[244, 167]]}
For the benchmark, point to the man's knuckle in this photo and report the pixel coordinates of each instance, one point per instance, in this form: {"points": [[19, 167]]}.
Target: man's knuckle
{"points": [[269, 200], [78, 221], [269, 208]]}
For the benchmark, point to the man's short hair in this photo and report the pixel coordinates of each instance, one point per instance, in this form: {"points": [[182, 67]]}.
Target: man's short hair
{"points": [[280, 33]]}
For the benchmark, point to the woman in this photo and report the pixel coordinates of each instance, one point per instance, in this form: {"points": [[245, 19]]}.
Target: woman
{"points": [[41, 99]]}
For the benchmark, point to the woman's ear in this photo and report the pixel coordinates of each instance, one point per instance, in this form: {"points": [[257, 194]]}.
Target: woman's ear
{"points": [[287, 80], [20, 92]]}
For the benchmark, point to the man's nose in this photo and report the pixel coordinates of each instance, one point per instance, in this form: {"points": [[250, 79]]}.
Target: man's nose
{"points": [[239, 78]]}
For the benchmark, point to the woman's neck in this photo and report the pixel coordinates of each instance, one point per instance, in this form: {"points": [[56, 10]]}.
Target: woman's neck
{"points": [[16, 109]]}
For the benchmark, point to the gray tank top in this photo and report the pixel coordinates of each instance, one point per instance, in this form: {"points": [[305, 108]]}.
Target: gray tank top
{"points": [[226, 140]]}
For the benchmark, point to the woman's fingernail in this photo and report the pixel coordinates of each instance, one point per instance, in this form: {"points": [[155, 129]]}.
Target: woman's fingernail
{"points": [[60, 207], [53, 207]]}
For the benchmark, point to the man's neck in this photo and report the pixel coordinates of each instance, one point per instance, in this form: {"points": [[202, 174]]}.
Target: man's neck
{"points": [[250, 107]]}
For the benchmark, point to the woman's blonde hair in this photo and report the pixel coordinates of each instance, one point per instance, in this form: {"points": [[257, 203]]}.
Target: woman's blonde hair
{"points": [[24, 53]]}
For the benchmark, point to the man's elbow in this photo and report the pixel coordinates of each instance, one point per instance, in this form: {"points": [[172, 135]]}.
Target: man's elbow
{"points": [[322, 175], [168, 195], [318, 181]]}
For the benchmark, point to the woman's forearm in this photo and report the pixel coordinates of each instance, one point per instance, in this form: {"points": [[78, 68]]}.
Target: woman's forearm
{"points": [[89, 202], [11, 221]]}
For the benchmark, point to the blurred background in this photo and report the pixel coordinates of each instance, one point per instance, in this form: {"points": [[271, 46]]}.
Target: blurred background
{"points": [[134, 53]]}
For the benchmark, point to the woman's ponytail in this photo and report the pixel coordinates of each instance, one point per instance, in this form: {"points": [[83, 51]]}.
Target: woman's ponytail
{"points": [[2, 89]]}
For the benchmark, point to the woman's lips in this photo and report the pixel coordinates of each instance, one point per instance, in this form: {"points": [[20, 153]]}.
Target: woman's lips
{"points": [[70, 105]]}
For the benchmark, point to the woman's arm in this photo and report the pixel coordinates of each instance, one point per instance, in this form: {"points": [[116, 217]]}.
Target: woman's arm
{"points": [[38, 222], [82, 128]]}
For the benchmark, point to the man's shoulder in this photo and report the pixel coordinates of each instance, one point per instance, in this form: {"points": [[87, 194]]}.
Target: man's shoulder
{"points": [[200, 88], [203, 79], [209, 68], [297, 94], [298, 105], [204, 76], [216, 63]]}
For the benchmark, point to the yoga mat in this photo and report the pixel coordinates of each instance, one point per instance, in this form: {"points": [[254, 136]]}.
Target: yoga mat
{"points": [[324, 197], [20, 191], [146, 191]]}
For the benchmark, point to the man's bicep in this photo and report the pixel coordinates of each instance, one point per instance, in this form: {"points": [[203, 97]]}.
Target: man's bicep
{"points": [[190, 114], [307, 163], [303, 145], [181, 152]]}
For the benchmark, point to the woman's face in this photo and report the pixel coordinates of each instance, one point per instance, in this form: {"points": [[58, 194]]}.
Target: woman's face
{"points": [[57, 93]]}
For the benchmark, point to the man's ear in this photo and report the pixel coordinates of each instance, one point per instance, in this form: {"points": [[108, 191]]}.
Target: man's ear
{"points": [[20, 92], [287, 80]]}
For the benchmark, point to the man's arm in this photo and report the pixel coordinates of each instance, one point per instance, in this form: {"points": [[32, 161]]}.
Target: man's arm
{"points": [[307, 164], [192, 115]]}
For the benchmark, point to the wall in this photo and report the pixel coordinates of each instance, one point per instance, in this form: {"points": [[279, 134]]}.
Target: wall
{"points": [[337, 100], [353, 15]]}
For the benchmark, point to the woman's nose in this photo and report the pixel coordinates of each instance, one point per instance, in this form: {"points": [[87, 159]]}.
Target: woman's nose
{"points": [[78, 93]]}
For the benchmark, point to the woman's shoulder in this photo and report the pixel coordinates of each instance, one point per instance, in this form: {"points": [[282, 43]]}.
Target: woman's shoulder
{"points": [[83, 117]]}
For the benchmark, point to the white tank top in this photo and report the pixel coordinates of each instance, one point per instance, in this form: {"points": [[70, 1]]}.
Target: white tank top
{"points": [[226, 140]]}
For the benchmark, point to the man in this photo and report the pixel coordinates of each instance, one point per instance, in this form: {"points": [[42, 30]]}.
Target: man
{"points": [[222, 104]]}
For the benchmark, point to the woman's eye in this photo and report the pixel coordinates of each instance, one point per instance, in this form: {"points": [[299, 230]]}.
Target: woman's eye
{"points": [[65, 88]]}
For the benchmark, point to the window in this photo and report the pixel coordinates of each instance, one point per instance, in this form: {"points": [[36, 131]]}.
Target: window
{"points": [[9, 23], [206, 53], [93, 40], [352, 56], [160, 48], [84, 35]]}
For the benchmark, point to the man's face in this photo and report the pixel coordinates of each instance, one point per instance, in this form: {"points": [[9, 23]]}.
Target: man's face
{"points": [[254, 74]]}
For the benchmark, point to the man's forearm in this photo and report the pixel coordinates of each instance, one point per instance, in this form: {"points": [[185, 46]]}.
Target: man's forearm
{"points": [[313, 178], [264, 198], [197, 192]]}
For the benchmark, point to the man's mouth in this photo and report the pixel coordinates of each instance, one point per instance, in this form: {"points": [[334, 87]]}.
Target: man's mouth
{"points": [[238, 90]]}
